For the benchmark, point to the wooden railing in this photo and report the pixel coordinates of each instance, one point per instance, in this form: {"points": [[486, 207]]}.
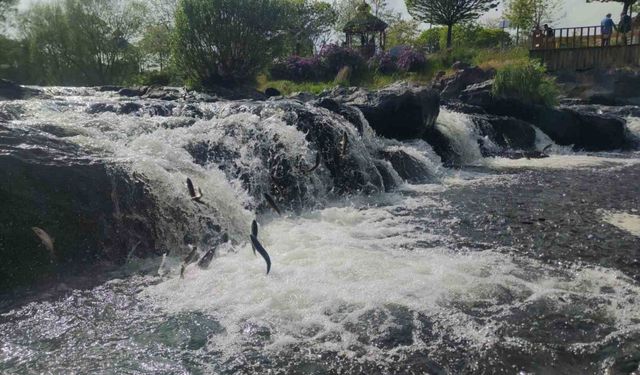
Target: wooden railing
{"points": [[583, 37]]}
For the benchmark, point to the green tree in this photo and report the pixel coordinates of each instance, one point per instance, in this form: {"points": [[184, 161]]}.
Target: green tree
{"points": [[227, 41], [402, 32], [5, 7], [448, 12], [155, 46], [525, 14], [86, 42], [308, 23]]}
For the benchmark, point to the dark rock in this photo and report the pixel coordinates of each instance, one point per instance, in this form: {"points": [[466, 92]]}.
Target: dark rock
{"points": [[128, 108], [159, 110], [460, 107], [93, 211], [162, 93], [451, 86], [190, 110], [442, 146], [108, 88], [302, 96], [386, 171], [478, 94], [133, 91], [12, 91], [398, 111], [603, 86], [100, 108], [566, 126], [350, 113], [408, 167], [236, 93], [271, 92], [507, 132]]}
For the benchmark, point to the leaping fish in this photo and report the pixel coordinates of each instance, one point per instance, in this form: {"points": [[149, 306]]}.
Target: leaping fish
{"points": [[192, 257], [344, 143], [254, 232], [196, 196], [272, 203], [206, 259], [258, 246], [45, 238], [316, 165]]}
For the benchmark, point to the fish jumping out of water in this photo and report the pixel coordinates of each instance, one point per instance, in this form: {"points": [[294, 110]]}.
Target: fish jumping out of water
{"points": [[316, 165], [196, 196], [192, 256], [164, 259], [206, 259], [183, 267], [45, 238], [258, 246], [272, 203], [254, 232], [344, 143]]}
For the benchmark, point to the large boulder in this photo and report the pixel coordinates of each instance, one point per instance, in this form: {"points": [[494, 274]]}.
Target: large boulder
{"points": [[11, 91], [408, 167], [507, 132], [399, 111], [92, 211], [603, 86], [452, 85], [567, 126]]}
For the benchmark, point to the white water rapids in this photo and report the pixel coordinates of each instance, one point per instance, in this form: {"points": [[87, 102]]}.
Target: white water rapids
{"points": [[342, 264]]}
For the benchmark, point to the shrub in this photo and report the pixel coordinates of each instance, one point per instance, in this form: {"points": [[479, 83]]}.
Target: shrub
{"points": [[297, 69], [526, 80], [226, 41], [382, 63], [334, 58], [411, 60]]}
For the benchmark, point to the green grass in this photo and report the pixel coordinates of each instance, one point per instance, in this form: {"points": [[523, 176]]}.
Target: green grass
{"points": [[527, 81]]}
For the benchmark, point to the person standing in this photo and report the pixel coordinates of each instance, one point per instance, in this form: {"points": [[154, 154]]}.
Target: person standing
{"points": [[624, 27], [606, 29], [549, 36]]}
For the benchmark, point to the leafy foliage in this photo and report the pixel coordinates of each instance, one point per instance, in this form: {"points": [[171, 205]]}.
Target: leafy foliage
{"points": [[227, 41], [448, 12], [526, 80], [382, 63], [297, 69], [309, 23], [335, 57], [84, 41]]}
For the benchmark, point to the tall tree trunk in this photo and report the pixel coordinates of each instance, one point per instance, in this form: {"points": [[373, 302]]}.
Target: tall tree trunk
{"points": [[449, 28], [627, 4]]}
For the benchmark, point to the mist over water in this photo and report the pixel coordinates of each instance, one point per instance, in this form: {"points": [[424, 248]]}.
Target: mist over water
{"points": [[370, 274]]}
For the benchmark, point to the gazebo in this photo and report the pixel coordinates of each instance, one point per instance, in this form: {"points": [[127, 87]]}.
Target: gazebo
{"points": [[365, 32]]}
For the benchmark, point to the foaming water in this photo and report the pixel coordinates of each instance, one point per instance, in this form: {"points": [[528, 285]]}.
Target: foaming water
{"points": [[560, 162], [462, 133], [625, 221]]}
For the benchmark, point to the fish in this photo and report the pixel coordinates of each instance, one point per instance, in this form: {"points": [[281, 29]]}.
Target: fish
{"points": [[272, 203], [45, 238], [344, 143], [547, 147], [196, 196], [164, 259], [258, 246], [316, 165], [183, 267], [193, 255], [254, 232], [206, 259]]}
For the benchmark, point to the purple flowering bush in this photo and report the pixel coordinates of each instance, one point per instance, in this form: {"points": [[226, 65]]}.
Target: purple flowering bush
{"points": [[383, 63], [296, 68], [334, 57], [411, 60]]}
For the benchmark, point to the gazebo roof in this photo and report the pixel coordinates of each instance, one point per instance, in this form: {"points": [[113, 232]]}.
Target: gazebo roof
{"points": [[364, 21]]}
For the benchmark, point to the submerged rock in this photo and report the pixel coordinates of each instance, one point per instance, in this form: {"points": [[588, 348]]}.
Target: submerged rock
{"points": [[399, 111], [92, 211], [11, 91]]}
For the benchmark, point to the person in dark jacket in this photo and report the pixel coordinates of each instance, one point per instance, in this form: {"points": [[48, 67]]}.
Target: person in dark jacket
{"points": [[624, 27], [606, 29]]}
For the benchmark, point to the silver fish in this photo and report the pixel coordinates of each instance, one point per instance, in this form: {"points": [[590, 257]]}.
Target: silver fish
{"points": [[258, 246], [344, 143], [192, 257], [254, 232], [196, 196], [45, 238], [272, 203], [206, 259], [316, 165]]}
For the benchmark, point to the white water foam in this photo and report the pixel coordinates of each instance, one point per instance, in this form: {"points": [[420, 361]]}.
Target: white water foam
{"points": [[622, 220], [574, 161], [356, 258], [462, 133]]}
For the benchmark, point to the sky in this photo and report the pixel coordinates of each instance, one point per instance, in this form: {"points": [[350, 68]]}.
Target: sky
{"points": [[574, 12]]}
